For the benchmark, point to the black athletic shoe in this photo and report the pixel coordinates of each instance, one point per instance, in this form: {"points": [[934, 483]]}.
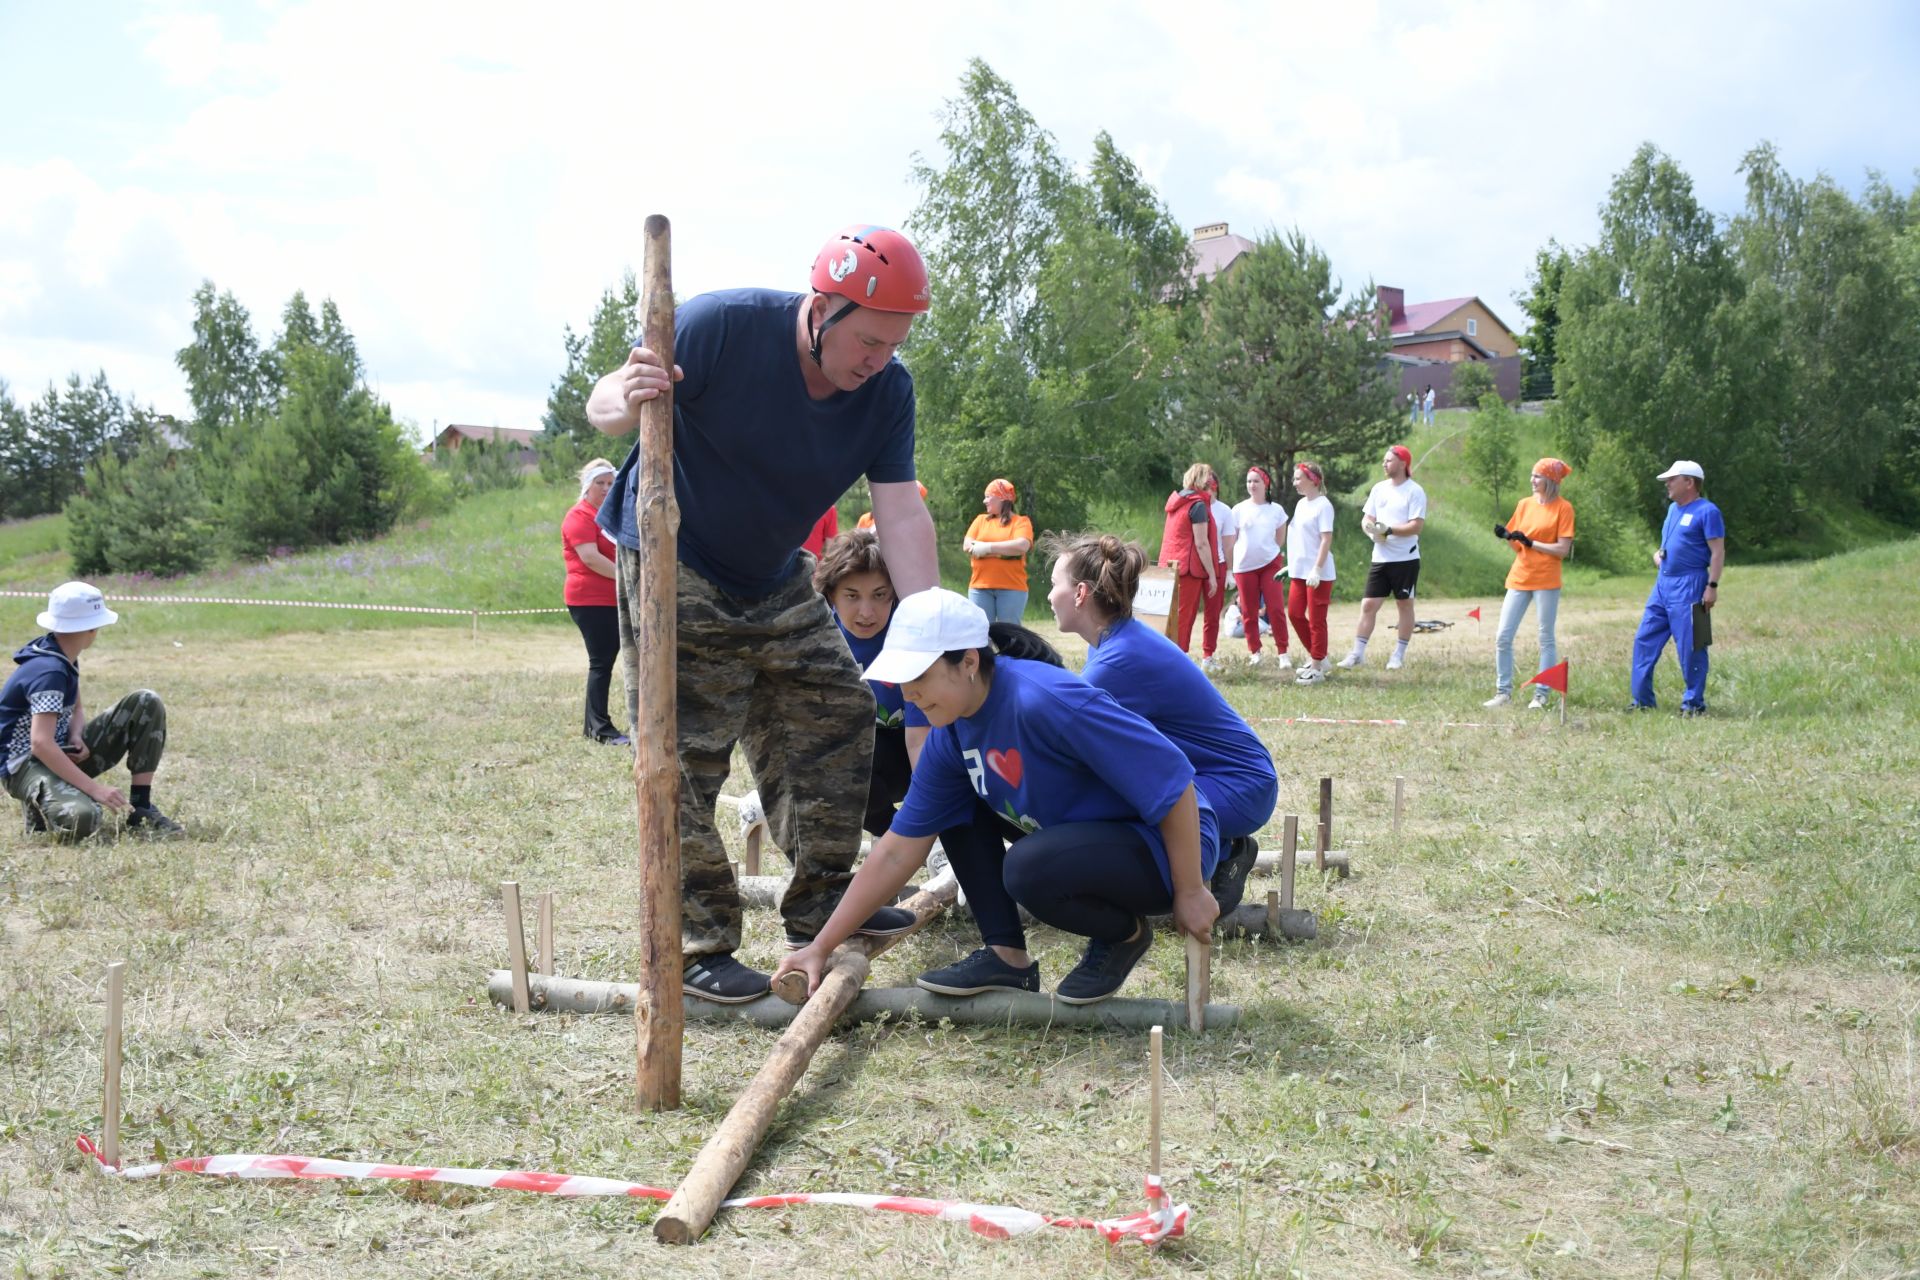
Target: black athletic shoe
{"points": [[147, 820], [1688, 713], [1104, 967], [1230, 877], [723, 980], [615, 740], [982, 971], [887, 922]]}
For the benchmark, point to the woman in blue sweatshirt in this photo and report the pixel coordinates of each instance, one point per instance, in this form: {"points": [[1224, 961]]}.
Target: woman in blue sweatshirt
{"points": [[1114, 829], [1095, 577]]}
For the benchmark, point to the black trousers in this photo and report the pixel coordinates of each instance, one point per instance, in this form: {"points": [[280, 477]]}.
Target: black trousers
{"points": [[892, 775], [1090, 878], [600, 627]]}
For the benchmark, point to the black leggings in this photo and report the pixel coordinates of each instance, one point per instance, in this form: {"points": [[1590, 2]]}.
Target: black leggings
{"points": [[1090, 878], [892, 775], [600, 627]]}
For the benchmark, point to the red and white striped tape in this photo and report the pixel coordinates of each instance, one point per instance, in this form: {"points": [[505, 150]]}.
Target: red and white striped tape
{"points": [[1323, 720], [1160, 1220], [301, 604]]}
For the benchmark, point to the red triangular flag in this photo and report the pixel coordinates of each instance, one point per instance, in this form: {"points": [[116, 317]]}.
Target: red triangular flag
{"points": [[1554, 677], [1475, 615]]}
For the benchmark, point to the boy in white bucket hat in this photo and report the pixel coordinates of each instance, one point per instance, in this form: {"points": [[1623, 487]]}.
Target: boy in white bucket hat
{"points": [[50, 754]]}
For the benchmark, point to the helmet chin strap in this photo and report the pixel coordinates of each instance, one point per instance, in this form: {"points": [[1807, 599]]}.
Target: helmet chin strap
{"points": [[825, 325]]}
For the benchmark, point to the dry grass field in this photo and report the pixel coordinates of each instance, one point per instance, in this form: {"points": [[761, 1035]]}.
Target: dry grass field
{"points": [[1633, 996]]}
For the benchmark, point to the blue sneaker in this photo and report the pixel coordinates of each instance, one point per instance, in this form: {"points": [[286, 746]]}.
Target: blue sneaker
{"points": [[984, 970], [1104, 967]]}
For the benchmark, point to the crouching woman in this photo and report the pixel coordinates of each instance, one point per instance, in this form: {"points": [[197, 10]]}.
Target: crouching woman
{"points": [[1114, 829]]}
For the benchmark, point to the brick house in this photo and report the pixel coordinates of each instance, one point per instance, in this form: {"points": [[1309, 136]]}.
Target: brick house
{"points": [[517, 439]]}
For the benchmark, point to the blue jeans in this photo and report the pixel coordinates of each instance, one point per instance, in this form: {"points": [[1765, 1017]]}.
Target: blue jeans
{"points": [[1511, 613], [999, 604]]}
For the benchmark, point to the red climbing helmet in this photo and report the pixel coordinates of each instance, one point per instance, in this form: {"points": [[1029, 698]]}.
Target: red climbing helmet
{"points": [[876, 267]]}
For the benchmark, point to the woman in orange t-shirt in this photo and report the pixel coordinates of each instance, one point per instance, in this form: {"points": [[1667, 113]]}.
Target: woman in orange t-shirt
{"points": [[998, 542], [1541, 531]]}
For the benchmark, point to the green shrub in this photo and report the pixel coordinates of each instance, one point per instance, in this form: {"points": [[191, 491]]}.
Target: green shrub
{"points": [[145, 515]]}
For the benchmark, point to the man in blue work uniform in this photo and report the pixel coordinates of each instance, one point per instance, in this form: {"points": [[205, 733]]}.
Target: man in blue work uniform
{"points": [[1693, 550]]}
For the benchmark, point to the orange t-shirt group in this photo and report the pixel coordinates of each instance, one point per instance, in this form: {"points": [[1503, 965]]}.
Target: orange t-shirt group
{"points": [[1549, 522], [999, 573]]}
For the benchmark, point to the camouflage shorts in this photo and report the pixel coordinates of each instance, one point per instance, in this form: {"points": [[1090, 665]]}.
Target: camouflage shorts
{"points": [[774, 676], [134, 728]]}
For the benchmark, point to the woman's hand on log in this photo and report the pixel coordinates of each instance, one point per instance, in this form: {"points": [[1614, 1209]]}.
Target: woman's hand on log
{"points": [[809, 960], [1194, 911]]}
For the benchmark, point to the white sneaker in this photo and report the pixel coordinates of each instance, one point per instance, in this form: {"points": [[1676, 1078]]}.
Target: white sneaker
{"points": [[1396, 662], [1349, 662], [1498, 700], [1539, 702], [1253, 659], [1283, 662], [1210, 665], [1310, 674]]}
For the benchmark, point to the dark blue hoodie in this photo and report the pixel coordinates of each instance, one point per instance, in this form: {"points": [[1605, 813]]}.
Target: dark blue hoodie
{"points": [[45, 681]]}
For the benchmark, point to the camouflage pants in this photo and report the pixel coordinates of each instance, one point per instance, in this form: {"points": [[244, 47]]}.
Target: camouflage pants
{"points": [[134, 727], [774, 676]]}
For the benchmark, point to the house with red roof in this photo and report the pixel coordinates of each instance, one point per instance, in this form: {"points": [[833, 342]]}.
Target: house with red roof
{"points": [[1452, 329]]}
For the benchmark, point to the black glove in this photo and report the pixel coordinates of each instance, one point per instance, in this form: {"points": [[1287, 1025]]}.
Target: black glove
{"points": [[1520, 538], [1500, 531]]}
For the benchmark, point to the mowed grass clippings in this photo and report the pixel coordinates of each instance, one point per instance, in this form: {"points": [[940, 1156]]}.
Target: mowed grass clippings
{"points": [[1633, 996]]}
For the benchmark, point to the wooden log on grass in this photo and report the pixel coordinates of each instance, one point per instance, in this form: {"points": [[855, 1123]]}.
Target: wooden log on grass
{"points": [[721, 1160], [659, 1018], [1338, 861], [1039, 1010]]}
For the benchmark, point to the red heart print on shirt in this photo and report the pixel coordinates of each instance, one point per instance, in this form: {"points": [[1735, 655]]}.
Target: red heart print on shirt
{"points": [[1006, 764]]}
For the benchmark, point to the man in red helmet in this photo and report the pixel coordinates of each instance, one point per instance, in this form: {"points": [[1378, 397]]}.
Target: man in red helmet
{"points": [[780, 402]]}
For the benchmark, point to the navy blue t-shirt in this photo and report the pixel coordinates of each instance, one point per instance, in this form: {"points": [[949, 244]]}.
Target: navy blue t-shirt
{"points": [[755, 458], [1684, 537], [1148, 675], [890, 708], [45, 681], [1046, 748]]}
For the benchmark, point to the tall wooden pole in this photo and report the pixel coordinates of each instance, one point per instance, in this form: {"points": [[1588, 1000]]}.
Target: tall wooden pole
{"points": [[110, 1062], [659, 1020]]}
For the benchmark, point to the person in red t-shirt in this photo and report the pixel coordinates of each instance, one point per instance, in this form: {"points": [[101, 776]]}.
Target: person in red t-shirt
{"points": [[1188, 545], [825, 528], [590, 596]]}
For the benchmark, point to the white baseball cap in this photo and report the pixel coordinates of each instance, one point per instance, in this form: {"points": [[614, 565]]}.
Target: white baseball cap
{"points": [[76, 606], [925, 625], [1682, 468]]}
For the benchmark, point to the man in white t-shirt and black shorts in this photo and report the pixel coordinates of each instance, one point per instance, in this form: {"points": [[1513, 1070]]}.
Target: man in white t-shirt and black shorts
{"points": [[1395, 513]]}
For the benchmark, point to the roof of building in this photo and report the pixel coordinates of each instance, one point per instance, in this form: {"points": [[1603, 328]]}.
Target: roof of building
{"points": [[1440, 335], [1215, 249], [492, 435], [1421, 315]]}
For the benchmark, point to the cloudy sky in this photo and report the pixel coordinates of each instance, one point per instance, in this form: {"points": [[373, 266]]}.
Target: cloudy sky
{"points": [[464, 180]]}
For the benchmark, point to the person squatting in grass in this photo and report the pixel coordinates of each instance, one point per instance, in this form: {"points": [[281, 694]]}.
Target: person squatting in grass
{"points": [[780, 402], [1186, 544], [852, 578], [1693, 551], [1541, 531], [998, 541], [53, 754], [589, 596], [1310, 571], [1394, 514], [1110, 827], [1095, 578], [1258, 567]]}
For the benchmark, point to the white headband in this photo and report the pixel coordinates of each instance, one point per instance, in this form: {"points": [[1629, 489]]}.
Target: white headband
{"points": [[586, 481]]}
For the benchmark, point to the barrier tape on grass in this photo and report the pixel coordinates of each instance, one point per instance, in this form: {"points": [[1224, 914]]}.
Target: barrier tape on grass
{"points": [[301, 604], [1383, 724], [1159, 1221]]}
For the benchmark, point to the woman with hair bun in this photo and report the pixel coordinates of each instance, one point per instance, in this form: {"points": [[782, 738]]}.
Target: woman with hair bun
{"points": [[1095, 577]]}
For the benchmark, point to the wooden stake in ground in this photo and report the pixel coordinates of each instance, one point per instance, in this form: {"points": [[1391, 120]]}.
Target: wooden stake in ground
{"points": [[719, 1163], [659, 1021], [1289, 857], [756, 840], [516, 945], [110, 1093], [1199, 982], [1324, 840], [545, 932], [1153, 1102], [1399, 800]]}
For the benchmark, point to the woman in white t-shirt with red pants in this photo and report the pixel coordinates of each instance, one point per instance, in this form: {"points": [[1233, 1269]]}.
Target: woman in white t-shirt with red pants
{"points": [[1310, 568], [1256, 565]]}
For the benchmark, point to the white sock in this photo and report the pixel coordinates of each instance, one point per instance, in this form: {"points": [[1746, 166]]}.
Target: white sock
{"points": [[1399, 650], [1359, 647]]}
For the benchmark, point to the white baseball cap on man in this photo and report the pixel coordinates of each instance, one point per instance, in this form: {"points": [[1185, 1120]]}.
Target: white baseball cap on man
{"points": [[1682, 468], [925, 625], [76, 606]]}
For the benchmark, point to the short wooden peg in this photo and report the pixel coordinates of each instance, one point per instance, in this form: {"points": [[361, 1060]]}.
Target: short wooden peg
{"points": [[1289, 858], [1399, 801], [1153, 1102], [756, 838], [545, 930], [516, 945], [110, 1094], [1199, 983]]}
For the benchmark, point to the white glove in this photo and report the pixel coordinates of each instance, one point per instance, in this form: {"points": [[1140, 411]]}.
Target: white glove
{"points": [[1313, 582]]}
